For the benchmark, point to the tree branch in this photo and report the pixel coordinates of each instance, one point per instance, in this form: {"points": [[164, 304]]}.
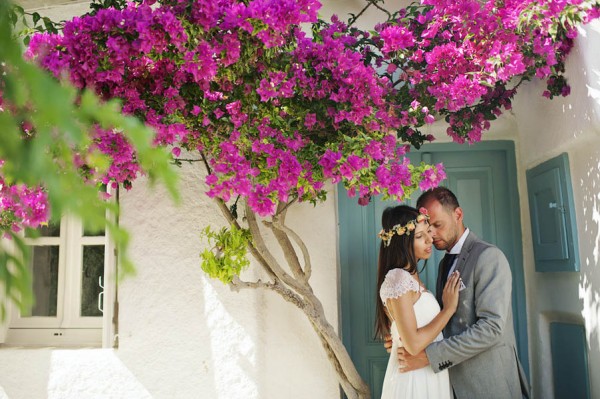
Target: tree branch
{"points": [[283, 209], [205, 161], [229, 217], [369, 4], [326, 330], [346, 385], [289, 252], [237, 284], [262, 249], [278, 224], [353, 20], [299, 294], [189, 160], [374, 2]]}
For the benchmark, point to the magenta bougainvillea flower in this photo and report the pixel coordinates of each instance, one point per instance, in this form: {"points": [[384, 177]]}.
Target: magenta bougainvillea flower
{"points": [[276, 112]]}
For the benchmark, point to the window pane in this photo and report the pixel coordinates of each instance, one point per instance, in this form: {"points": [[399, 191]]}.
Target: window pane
{"points": [[44, 267], [88, 231], [50, 230], [93, 270]]}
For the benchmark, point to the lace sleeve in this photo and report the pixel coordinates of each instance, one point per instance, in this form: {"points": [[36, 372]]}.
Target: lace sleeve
{"points": [[397, 282]]}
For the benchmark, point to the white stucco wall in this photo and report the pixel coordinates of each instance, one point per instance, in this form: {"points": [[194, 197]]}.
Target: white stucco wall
{"points": [[202, 339], [183, 335], [547, 129], [187, 336]]}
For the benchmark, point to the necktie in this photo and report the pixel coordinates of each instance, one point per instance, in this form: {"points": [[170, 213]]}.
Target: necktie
{"points": [[447, 262]]}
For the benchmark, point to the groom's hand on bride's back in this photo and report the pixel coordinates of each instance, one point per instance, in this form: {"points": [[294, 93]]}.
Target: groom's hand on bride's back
{"points": [[387, 343], [408, 362]]}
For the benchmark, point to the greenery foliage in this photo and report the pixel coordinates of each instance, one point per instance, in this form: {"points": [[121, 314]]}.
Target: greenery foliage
{"points": [[225, 256], [46, 127], [272, 112]]}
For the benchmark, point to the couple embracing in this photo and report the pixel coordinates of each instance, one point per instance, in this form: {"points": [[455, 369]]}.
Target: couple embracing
{"points": [[460, 343]]}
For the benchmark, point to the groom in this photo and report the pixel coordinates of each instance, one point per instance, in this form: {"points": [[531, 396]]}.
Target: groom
{"points": [[479, 346]]}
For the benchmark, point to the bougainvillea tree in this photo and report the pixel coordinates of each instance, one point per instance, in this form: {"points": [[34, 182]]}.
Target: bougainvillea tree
{"points": [[275, 103], [50, 164]]}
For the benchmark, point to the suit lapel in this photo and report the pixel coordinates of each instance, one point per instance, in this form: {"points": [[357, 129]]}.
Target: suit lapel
{"points": [[461, 262], [465, 252]]}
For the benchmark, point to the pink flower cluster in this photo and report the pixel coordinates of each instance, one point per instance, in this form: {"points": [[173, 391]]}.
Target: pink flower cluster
{"points": [[277, 113], [21, 206], [461, 57], [124, 168], [396, 38]]}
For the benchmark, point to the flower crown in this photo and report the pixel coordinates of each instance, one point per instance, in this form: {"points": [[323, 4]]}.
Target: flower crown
{"points": [[386, 235]]}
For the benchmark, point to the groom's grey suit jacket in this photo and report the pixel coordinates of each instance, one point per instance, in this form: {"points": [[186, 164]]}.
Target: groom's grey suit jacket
{"points": [[479, 340]]}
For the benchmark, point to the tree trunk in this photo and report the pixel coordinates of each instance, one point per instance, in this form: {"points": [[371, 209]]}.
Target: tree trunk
{"points": [[294, 287], [351, 382]]}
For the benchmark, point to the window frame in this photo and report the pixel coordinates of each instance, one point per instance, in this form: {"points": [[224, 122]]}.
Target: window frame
{"points": [[68, 328]]}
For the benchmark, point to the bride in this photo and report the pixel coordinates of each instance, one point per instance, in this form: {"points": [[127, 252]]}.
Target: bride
{"points": [[406, 310]]}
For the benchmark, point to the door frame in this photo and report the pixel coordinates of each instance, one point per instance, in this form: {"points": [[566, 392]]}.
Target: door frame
{"points": [[520, 314]]}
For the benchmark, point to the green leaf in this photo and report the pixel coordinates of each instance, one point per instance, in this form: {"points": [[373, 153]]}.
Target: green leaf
{"points": [[227, 256], [62, 127]]}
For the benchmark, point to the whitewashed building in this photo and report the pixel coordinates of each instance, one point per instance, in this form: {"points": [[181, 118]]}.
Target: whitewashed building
{"points": [[171, 332]]}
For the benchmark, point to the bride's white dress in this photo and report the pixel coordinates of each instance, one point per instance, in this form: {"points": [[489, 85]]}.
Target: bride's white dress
{"points": [[422, 383]]}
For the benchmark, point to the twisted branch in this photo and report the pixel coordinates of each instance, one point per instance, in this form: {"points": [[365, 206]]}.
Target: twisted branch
{"points": [[343, 380], [237, 284], [295, 291], [284, 242], [365, 8], [262, 249], [283, 209], [374, 3], [188, 160], [305, 254], [253, 250], [333, 340]]}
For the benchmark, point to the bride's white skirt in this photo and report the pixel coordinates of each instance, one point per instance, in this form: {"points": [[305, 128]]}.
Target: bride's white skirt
{"points": [[421, 384]]}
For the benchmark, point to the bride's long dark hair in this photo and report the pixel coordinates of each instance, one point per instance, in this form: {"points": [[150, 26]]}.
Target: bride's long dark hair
{"points": [[399, 253]]}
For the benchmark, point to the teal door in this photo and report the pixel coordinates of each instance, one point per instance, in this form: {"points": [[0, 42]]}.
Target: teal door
{"points": [[483, 177]]}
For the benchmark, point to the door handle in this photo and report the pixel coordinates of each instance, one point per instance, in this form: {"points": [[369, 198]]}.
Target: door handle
{"points": [[554, 205], [100, 295]]}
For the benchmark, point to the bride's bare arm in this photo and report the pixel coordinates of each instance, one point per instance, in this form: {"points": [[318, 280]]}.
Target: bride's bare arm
{"points": [[401, 309]]}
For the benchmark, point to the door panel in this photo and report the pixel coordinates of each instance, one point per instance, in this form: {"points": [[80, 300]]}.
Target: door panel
{"points": [[483, 177]]}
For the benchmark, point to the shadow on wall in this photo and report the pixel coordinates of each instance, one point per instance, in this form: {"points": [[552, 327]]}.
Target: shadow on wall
{"points": [[232, 354], [263, 346], [182, 334], [163, 335], [582, 107], [589, 286], [66, 373], [560, 122], [591, 60]]}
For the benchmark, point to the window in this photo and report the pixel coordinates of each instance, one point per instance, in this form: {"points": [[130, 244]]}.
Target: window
{"points": [[553, 223], [70, 268]]}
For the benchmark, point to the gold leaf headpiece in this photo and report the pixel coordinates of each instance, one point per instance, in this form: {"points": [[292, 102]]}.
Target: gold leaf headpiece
{"points": [[386, 235]]}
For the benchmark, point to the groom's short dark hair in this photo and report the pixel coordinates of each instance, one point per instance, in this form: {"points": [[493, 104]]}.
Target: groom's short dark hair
{"points": [[441, 194]]}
